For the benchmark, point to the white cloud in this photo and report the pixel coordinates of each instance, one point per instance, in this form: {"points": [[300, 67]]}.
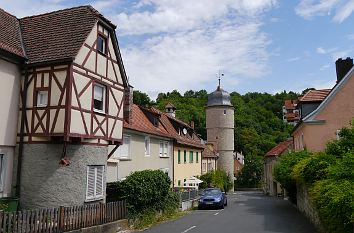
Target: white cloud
{"points": [[311, 8], [293, 59], [324, 67], [321, 50]]}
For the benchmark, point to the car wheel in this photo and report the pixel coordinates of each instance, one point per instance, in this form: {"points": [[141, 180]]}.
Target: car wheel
{"points": [[225, 203]]}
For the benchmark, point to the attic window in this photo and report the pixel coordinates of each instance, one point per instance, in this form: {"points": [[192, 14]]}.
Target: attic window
{"points": [[102, 44], [99, 98]]}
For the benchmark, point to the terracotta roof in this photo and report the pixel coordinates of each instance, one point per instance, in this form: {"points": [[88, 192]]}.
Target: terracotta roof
{"points": [[290, 104], [315, 95], [193, 141], [10, 36], [141, 123], [170, 105], [57, 35], [208, 153], [291, 116], [280, 148]]}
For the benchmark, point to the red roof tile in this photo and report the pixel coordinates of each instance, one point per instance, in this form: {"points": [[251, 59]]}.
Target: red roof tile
{"points": [[280, 148], [141, 123], [208, 153], [57, 35], [290, 104], [10, 36], [167, 121], [315, 95]]}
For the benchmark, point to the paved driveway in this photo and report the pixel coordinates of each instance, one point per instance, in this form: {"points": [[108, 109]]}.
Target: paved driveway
{"points": [[247, 212]]}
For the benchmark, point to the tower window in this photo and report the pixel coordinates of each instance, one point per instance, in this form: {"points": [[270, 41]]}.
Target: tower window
{"points": [[224, 111]]}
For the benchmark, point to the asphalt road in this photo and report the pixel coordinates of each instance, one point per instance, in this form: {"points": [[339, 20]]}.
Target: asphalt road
{"points": [[247, 212]]}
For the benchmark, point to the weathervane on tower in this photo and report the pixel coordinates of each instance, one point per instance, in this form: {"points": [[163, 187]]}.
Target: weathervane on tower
{"points": [[219, 78]]}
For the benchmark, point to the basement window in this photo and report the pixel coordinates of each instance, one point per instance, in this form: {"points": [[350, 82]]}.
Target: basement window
{"points": [[95, 185], [99, 98]]}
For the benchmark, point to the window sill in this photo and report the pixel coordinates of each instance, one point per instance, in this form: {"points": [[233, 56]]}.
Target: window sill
{"points": [[125, 159], [102, 53], [113, 160], [164, 156], [100, 112], [94, 199]]}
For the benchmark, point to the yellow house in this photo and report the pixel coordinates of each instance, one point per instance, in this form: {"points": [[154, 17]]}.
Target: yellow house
{"points": [[187, 148]]}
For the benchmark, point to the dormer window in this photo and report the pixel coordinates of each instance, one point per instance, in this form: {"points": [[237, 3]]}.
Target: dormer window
{"points": [[102, 44], [99, 97]]}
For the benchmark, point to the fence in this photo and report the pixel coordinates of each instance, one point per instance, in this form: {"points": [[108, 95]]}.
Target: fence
{"points": [[61, 219], [188, 195]]}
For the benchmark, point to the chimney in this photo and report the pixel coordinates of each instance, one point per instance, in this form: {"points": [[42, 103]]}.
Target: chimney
{"points": [[343, 67], [170, 109], [128, 103]]}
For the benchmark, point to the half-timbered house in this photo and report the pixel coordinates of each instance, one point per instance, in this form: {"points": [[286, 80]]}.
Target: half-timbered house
{"points": [[71, 107]]}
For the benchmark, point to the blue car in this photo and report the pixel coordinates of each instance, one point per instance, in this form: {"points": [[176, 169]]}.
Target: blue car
{"points": [[212, 198]]}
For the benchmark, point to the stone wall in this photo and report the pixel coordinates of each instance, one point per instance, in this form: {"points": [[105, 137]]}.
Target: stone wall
{"points": [[45, 183], [305, 205]]}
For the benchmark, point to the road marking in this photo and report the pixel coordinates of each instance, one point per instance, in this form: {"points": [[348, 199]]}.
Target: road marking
{"points": [[188, 229], [217, 213]]}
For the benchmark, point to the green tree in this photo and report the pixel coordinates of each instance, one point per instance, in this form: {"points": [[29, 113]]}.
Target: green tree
{"points": [[251, 174], [141, 98]]}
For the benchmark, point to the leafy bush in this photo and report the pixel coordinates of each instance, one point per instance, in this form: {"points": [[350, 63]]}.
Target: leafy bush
{"points": [[284, 168], [115, 191], [334, 201], [148, 194], [251, 174], [217, 178], [313, 168], [344, 168], [343, 146]]}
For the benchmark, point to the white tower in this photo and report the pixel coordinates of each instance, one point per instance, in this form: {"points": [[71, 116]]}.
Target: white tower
{"points": [[220, 127]]}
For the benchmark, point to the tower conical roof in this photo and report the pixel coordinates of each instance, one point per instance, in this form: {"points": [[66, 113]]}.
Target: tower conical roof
{"points": [[219, 98]]}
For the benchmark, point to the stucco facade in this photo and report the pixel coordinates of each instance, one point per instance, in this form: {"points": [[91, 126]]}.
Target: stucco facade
{"points": [[10, 93], [335, 112], [187, 162], [208, 164], [45, 183], [137, 160]]}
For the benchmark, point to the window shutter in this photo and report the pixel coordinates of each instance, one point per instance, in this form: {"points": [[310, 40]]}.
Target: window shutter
{"points": [[99, 181], [90, 182]]}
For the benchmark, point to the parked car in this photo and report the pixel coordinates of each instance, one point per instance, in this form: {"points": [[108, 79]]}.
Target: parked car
{"points": [[212, 198]]}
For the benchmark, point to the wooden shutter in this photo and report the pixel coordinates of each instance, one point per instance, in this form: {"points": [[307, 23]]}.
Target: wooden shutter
{"points": [[90, 193], [99, 181]]}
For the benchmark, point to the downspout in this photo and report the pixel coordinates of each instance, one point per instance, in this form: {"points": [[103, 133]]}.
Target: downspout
{"points": [[22, 127]]}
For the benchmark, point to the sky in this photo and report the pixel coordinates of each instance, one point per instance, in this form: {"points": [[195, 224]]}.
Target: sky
{"points": [[259, 45]]}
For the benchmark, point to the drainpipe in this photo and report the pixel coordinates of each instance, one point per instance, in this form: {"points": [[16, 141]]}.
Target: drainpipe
{"points": [[22, 127]]}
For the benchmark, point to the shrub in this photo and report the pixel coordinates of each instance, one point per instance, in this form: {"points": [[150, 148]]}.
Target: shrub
{"points": [[313, 168], [344, 168], [251, 174], [115, 191], [217, 178], [343, 146], [334, 201], [283, 169]]}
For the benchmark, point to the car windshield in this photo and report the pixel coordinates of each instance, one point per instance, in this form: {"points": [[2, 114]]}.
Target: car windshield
{"points": [[212, 192]]}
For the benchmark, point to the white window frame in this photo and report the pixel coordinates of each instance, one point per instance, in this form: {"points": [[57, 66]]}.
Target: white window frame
{"points": [[164, 150], [103, 110], [39, 99], [147, 146], [118, 153], [96, 169], [104, 39]]}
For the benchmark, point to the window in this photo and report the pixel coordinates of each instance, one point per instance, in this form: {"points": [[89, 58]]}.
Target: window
{"points": [[164, 149], [179, 182], [196, 157], [102, 44], [210, 166], [185, 156], [123, 151], [190, 156], [179, 156], [99, 97], [2, 171], [94, 187], [184, 182], [42, 98], [204, 167], [224, 111], [147, 146]]}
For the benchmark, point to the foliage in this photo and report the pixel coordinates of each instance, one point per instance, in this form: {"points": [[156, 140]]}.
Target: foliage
{"points": [[217, 178], [284, 168], [334, 200], [313, 168], [251, 174], [115, 191], [344, 145], [344, 168], [258, 117], [148, 195], [141, 98]]}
